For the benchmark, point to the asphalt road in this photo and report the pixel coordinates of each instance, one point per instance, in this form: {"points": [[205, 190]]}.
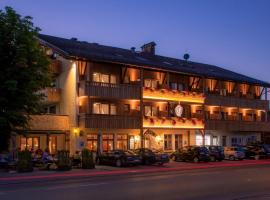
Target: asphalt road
{"points": [[231, 183]]}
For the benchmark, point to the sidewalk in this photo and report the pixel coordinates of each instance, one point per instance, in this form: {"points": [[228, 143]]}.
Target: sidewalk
{"points": [[108, 170]]}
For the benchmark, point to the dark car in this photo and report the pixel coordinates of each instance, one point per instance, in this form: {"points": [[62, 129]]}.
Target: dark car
{"points": [[191, 153], [216, 153], [257, 151], [149, 156], [118, 158]]}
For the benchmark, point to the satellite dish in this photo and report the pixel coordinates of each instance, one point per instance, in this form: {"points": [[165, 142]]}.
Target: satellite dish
{"points": [[186, 56]]}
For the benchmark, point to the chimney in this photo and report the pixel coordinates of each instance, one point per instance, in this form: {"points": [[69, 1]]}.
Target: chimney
{"points": [[149, 48]]}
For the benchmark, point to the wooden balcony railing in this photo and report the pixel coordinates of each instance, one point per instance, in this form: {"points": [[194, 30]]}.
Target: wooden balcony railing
{"points": [[107, 90], [230, 101], [49, 123], [110, 121], [173, 95], [55, 67], [51, 95], [231, 125]]}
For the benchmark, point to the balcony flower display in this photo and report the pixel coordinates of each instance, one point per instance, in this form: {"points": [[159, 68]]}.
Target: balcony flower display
{"points": [[173, 122], [173, 95]]}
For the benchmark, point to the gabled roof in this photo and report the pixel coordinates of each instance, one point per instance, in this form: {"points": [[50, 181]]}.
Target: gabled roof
{"points": [[97, 52]]}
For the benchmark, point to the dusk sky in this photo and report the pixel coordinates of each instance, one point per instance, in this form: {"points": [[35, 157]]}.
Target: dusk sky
{"points": [[234, 34]]}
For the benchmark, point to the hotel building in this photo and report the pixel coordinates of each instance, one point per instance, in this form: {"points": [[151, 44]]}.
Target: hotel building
{"points": [[127, 99]]}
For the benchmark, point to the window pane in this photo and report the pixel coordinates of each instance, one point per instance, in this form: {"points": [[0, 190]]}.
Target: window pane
{"points": [[147, 83], [36, 143], [113, 79], [23, 143], [147, 111], [154, 111], [113, 109], [96, 77], [29, 143], [52, 144], [104, 109], [154, 83], [167, 142], [96, 108], [104, 78]]}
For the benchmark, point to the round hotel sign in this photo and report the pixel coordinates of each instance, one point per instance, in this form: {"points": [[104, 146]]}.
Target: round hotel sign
{"points": [[178, 110]]}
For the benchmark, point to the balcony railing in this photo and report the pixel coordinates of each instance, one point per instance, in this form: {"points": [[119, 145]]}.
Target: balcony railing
{"points": [[107, 90], [245, 126], [172, 95], [51, 95], [110, 121], [230, 101], [173, 122], [49, 123]]}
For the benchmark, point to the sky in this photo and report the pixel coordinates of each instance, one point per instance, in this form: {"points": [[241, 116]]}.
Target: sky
{"points": [[233, 34]]}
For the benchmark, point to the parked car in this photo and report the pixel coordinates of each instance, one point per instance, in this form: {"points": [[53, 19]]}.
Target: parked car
{"points": [[216, 152], [118, 158], [191, 153], [257, 151], [234, 153], [149, 156]]}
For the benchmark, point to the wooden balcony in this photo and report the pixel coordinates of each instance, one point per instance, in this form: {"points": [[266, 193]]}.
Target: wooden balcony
{"points": [[49, 123], [51, 95], [173, 95], [55, 67], [243, 126], [107, 90], [230, 101], [110, 121]]}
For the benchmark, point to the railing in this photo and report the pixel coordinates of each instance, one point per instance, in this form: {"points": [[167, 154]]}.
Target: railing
{"points": [[49, 123], [51, 95], [233, 125], [172, 95], [55, 67], [107, 90], [230, 101], [110, 121]]}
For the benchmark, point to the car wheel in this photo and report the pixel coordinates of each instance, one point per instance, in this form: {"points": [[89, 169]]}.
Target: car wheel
{"points": [[196, 159], [118, 163], [231, 158], [212, 158], [257, 157]]}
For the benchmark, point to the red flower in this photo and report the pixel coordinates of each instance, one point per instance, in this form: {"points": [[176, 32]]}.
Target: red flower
{"points": [[193, 121], [173, 122], [152, 121], [163, 121]]}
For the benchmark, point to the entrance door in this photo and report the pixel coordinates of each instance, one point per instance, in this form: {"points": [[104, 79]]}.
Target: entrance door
{"points": [[178, 141]]}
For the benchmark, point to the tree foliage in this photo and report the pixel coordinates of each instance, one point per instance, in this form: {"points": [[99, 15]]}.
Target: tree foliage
{"points": [[24, 70]]}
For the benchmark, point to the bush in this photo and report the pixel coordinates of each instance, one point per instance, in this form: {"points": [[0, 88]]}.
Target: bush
{"points": [[64, 162], [87, 159], [24, 161]]}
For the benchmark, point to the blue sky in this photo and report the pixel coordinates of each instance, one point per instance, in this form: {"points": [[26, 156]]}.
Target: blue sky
{"points": [[234, 34]]}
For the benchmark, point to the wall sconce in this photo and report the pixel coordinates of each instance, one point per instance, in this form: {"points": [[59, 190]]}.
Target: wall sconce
{"points": [[76, 131], [158, 139]]}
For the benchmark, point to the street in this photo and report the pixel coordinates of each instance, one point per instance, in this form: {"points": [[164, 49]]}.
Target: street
{"points": [[230, 183]]}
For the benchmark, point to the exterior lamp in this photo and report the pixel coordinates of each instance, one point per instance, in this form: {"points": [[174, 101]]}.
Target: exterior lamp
{"points": [[76, 131]]}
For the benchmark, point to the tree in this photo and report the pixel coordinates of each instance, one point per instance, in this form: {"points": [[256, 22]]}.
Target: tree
{"points": [[24, 71]]}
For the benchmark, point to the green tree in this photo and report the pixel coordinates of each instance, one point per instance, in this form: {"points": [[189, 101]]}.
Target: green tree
{"points": [[24, 70]]}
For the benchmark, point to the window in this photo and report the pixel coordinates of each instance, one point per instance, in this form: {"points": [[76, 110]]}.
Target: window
{"points": [[104, 109], [224, 141], [104, 78], [150, 111], [122, 142], [174, 86], [234, 141], [52, 109], [167, 142], [126, 107], [152, 83], [178, 141], [30, 143], [215, 140], [52, 144], [107, 142], [92, 142], [177, 86]]}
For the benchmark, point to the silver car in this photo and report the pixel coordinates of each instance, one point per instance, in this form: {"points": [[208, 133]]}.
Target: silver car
{"points": [[234, 153]]}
